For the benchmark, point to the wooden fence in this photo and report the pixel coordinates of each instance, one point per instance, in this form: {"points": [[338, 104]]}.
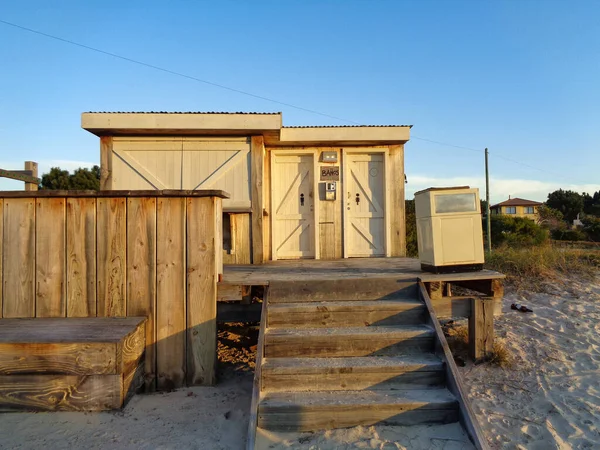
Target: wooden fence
{"points": [[120, 253]]}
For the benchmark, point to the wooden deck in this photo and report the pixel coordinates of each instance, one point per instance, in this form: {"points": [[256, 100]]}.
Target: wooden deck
{"points": [[319, 270]]}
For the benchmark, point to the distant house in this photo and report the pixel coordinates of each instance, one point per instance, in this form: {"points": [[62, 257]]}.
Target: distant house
{"points": [[517, 207]]}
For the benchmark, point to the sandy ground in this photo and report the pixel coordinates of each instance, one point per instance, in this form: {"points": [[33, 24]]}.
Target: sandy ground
{"points": [[549, 398], [204, 418]]}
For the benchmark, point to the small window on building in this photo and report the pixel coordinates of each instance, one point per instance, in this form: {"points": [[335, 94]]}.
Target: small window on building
{"points": [[529, 210], [511, 209]]}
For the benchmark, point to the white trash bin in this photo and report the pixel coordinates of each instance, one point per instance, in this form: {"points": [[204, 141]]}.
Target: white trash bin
{"points": [[449, 231]]}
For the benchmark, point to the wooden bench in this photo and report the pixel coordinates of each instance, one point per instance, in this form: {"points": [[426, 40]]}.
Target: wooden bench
{"points": [[70, 364]]}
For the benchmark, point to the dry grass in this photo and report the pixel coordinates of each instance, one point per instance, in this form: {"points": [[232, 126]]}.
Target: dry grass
{"points": [[500, 355], [458, 341], [535, 265]]}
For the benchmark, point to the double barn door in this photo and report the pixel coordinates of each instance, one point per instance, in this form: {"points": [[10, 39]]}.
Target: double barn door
{"points": [[295, 203]]}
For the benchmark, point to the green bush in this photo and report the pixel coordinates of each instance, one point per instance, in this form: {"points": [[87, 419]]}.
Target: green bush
{"points": [[412, 249], [568, 235], [591, 227], [516, 232]]}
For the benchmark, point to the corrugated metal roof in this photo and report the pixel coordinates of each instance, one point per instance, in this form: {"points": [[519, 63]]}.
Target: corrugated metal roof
{"points": [[349, 126], [180, 112], [517, 202]]}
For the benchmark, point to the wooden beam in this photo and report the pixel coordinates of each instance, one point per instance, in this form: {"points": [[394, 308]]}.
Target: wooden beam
{"points": [[19, 258], [460, 306], [81, 257], [111, 262], [106, 155], [170, 293], [257, 384], [203, 249], [20, 175], [481, 328], [50, 264], [455, 386], [141, 275], [396, 201], [257, 155]]}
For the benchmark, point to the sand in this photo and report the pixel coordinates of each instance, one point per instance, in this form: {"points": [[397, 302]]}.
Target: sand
{"points": [[549, 399]]}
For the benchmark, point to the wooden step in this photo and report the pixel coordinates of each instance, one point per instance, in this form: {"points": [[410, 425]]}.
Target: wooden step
{"points": [[310, 411], [351, 341], [70, 364], [352, 373], [346, 313], [371, 288]]}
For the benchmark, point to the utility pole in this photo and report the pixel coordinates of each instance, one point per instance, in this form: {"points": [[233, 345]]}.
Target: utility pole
{"points": [[488, 224]]}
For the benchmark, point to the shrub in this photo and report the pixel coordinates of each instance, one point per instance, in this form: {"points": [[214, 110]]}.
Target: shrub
{"points": [[516, 231], [591, 227], [569, 235]]}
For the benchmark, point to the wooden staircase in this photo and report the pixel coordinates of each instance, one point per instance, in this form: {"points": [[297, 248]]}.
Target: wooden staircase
{"points": [[358, 352]]}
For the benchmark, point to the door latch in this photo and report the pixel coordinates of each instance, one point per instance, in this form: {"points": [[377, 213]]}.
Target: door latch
{"points": [[301, 199], [357, 199]]}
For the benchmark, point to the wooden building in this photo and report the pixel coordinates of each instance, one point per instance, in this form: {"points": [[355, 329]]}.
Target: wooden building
{"points": [[296, 192]]}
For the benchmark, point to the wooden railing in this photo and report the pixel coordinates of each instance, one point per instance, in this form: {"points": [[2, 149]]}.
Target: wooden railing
{"points": [[120, 253]]}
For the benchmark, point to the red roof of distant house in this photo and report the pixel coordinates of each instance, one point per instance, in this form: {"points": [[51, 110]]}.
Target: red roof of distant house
{"points": [[517, 202]]}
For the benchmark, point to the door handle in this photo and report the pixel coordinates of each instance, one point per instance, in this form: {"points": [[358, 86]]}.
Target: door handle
{"points": [[301, 199], [357, 199]]}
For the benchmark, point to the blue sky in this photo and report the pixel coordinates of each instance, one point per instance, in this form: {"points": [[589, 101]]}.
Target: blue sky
{"points": [[519, 77]]}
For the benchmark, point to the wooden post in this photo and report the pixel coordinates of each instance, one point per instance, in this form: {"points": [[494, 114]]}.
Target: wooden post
{"points": [[481, 328], [106, 150], [488, 222], [257, 153], [33, 166], [397, 213]]}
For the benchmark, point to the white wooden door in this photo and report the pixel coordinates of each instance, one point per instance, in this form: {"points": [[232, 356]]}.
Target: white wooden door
{"points": [[364, 225], [293, 204]]}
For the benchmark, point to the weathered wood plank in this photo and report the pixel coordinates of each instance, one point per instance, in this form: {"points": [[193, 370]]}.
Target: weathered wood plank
{"points": [[111, 256], [397, 213], [19, 258], [86, 358], [240, 235], [453, 380], [61, 392], [257, 382], [337, 342], [257, 160], [267, 255], [202, 277], [228, 292], [348, 314], [170, 293], [50, 264], [460, 306], [1, 252], [305, 411], [131, 349], [141, 275], [59, 330], [117, 193], [32, 166], [481, 328], [81, 257], [106, 170]]}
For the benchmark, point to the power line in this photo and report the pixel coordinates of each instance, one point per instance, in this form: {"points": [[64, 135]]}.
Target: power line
{"points": [[249, 94], [172, 72]]}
